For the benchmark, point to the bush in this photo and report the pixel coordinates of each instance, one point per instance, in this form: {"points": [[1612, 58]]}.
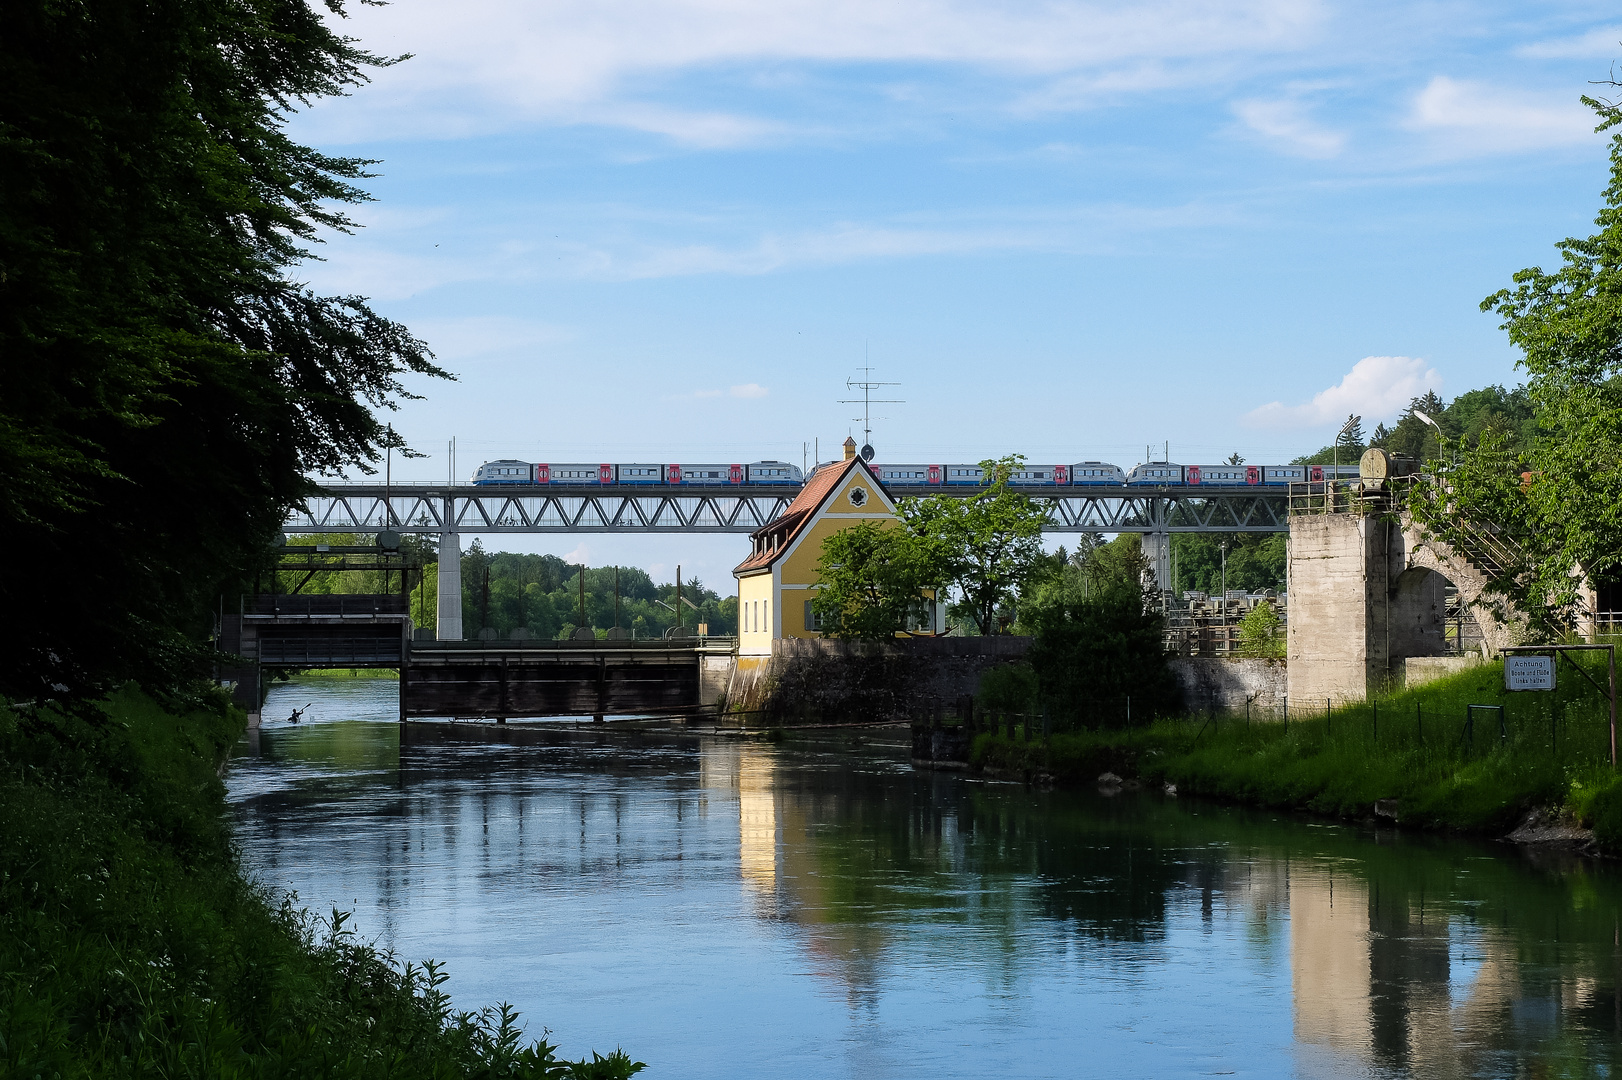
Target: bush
{"points": [[1091, 653]]}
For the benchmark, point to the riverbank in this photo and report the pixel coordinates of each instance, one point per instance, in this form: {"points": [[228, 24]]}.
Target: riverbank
{"points": [[1409, 758], [132, 944]]}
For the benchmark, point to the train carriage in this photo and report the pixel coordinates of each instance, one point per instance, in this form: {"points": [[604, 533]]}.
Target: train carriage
{"points": [[1040, 475], [639, 474], [909, 475], [1222, 475], [773, 472], [1096, 474], [1156, 474], [505, 471], [575, 474], [703, 475]]}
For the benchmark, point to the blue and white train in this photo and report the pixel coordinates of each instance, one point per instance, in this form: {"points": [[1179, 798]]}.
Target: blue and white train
{"points": [[780, 473], [535, 473]]}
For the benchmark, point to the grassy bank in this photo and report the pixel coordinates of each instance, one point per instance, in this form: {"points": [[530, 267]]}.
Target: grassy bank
{"points": [[131, 945], [1412, 747]]}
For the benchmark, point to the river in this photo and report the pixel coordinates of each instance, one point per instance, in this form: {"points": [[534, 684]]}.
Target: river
{"points": [[733, 908]]}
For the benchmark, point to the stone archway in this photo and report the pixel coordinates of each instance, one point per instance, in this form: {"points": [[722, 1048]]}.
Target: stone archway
{"points": [[1500, 624]]}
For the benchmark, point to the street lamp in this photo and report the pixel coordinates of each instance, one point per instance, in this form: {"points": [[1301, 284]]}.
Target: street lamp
{"points": [[1425, 419]]}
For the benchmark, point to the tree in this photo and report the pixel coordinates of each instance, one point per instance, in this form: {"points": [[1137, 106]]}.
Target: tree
{"points": [[1093, 651], [1261, 632], [166, 387], [1565, 517], [872, 578], [986, 546]]}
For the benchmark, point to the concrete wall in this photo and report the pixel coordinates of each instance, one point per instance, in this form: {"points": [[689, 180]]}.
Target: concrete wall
{"points": [[1419, 670], [813, 680], [1228, 685]]}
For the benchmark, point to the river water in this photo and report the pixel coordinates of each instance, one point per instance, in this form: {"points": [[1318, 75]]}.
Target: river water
{"points": [[731, 908]]}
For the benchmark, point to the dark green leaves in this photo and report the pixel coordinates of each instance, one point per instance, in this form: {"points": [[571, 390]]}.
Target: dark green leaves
{"points": [[165, 384]]}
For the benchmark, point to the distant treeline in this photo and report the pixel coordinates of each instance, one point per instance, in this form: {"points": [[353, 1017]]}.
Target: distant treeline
{"points": [[504, 591]]}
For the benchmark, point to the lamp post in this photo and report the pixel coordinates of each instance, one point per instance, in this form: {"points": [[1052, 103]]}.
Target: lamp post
{"points": [[1424, 418]]}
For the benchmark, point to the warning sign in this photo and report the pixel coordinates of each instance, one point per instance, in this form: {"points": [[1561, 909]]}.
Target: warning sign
{"points": [[1528, 672]]}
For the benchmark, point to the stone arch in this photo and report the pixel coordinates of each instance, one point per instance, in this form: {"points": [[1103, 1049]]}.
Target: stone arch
{"points": [[1500, 624]]}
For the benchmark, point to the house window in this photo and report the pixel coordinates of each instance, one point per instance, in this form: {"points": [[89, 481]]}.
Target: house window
{"points": [[812, 622]]}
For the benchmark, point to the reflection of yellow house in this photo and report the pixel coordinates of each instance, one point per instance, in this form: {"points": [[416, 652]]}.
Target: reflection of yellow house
{"points": [[776, 582]]}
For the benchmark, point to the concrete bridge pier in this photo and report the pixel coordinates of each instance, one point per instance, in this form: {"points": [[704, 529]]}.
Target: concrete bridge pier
{"points": [[449, 623], [1157, 549]]}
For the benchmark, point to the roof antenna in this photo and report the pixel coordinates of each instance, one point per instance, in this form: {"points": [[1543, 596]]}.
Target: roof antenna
{"points": [[867, 384]]}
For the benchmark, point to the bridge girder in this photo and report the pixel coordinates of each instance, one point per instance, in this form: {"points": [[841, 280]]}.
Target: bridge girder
{"points": [[427, 508]]}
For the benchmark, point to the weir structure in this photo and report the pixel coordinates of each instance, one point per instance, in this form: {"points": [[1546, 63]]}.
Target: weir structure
{"points": [[448, 511]]}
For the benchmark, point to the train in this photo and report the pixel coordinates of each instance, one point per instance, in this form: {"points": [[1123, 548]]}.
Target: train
{"points": [[509, 472]]}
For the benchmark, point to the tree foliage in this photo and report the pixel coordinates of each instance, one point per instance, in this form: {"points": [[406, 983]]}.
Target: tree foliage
{"points": [[872, 578], [1563, 518], [986, 547], [166, 386]]}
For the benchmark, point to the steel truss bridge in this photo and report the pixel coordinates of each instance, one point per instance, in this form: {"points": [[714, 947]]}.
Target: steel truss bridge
{"points": [[438, 508]]}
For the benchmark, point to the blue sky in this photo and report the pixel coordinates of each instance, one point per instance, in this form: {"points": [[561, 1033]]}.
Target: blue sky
{"points": [[670, 230]]}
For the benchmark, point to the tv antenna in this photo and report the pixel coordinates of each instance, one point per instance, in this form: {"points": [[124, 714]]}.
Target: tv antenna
{"points": [[867, 384]]}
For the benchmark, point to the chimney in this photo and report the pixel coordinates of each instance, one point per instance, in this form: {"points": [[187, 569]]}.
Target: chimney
{"points": [[850, 447]]}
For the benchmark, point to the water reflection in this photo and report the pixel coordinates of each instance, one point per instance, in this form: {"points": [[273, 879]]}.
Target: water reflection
{"points": [[732, 908]]}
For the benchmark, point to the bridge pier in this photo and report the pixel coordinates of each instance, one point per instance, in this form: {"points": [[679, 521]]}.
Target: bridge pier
{"points": [[449, 623]]}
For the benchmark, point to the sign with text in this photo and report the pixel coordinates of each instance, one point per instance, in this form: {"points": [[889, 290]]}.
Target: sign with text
{"points": [[1528, 672]]}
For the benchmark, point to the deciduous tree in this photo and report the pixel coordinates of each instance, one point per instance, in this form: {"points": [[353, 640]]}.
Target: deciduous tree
{"points": [[986, 546]]}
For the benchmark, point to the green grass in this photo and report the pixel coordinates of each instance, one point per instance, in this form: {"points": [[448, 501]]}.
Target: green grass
{"points": [[347, 673], [1409, 746], [131, 944]]}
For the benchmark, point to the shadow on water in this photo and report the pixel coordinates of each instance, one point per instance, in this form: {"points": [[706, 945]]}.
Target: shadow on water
{"points": [[733, 908]]}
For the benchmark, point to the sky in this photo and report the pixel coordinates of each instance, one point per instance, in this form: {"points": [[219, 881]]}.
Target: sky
{"points": [[672, 230]]}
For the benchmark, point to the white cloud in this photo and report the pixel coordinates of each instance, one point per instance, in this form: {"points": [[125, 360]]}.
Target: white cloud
{"points": [[1474, 117], [485, 64], [1286, 123], [581, 555], [1600, 44], [749, 390], [1377, 388]]}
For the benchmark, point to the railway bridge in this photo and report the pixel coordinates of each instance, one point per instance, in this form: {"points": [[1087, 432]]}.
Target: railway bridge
{"points": [[450, 510]]}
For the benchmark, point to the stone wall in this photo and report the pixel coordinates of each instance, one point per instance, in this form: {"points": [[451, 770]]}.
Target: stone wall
{"points": [[808, 680], [1228, 685]]}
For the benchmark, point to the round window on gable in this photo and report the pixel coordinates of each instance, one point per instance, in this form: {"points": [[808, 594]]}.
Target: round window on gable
{"points": [[858, 496]]}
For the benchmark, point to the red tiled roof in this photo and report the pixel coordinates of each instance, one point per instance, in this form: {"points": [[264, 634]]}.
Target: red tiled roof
{"points": [[787, 525]]}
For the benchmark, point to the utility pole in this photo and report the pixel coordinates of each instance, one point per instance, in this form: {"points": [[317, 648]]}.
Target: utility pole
{"points": [[678, 594]]}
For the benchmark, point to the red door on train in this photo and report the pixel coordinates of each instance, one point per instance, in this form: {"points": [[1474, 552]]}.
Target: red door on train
{"points": [[605, 474], [673, 474], [1193, 474], [1061, 475], [735, 474], [1253, 475], [1316, 475], [543, 473], [934, 474]]}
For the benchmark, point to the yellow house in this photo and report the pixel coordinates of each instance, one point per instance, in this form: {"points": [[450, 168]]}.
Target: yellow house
{"points": [[777, 581]]}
